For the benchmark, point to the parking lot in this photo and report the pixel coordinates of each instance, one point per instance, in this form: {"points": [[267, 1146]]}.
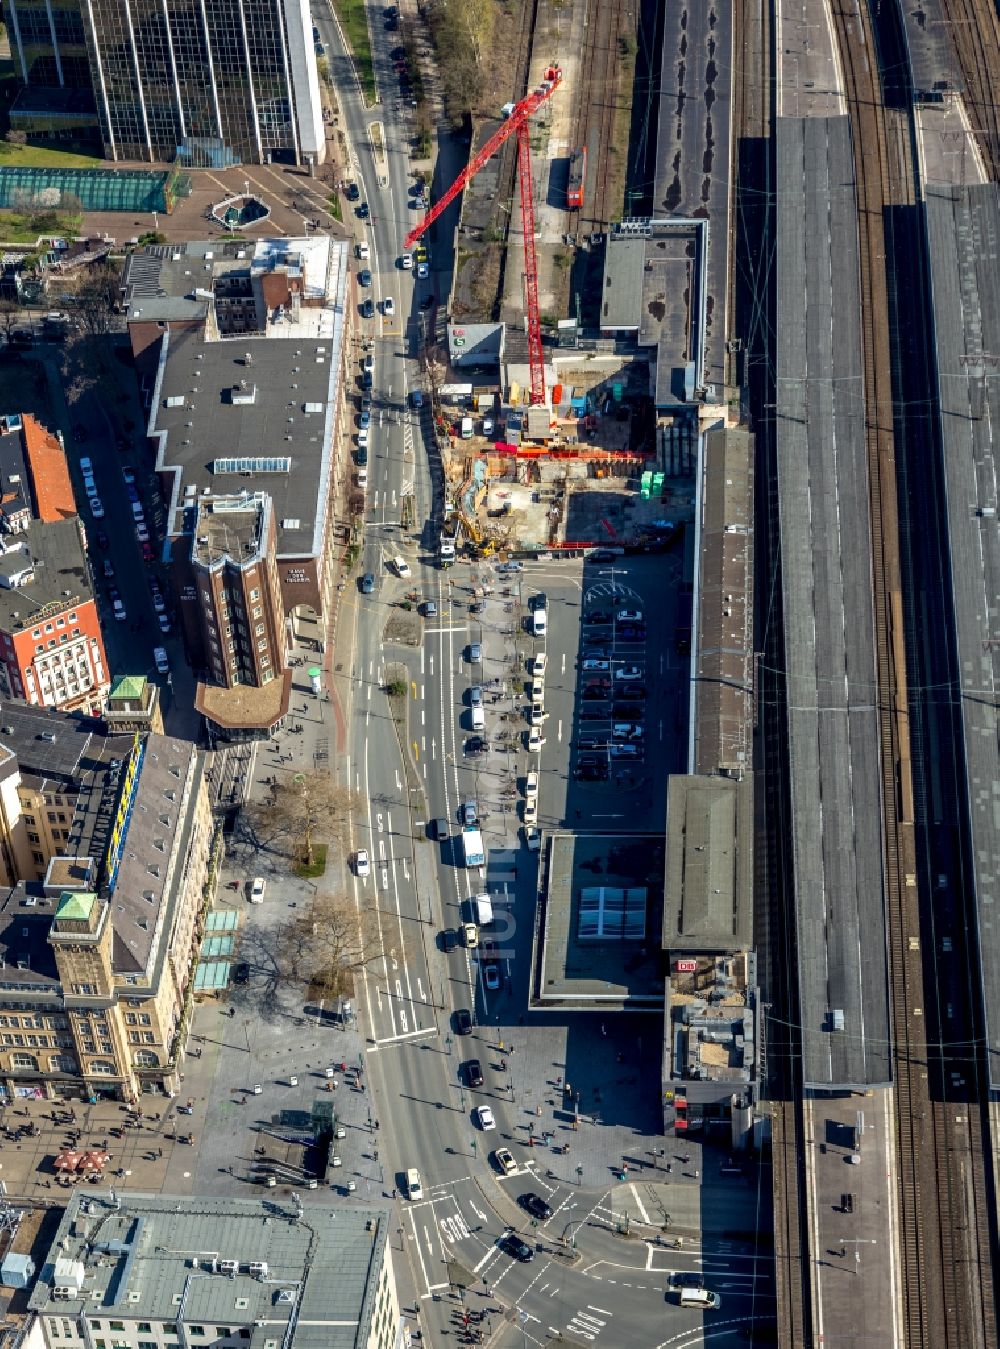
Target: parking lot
{"points": [[615, 690]]}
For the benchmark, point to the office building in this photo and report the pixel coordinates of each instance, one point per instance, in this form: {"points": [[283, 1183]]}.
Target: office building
{"points": [[240, 349], [207, 84], [105, 843], [135, 1270]]}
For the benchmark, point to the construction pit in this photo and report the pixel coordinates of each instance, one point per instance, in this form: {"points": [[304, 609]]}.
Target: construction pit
{"points": [[594, 467]]}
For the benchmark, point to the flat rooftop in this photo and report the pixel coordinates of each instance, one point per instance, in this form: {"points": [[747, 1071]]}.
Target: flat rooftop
{"points": [[138, 1257], [963, 228], [61, 577], [723, 676], [693, 150], [655, 285], [228, 528], [273, 437], [708, 884], [835, 842], [597, 944]]}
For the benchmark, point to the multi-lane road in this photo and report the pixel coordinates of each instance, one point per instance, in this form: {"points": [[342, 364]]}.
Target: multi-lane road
{"points": [[413, 773]]}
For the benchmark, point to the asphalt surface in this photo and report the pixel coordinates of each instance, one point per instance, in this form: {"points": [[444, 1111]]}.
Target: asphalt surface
{"points": [[89, 431], [409, 772]]}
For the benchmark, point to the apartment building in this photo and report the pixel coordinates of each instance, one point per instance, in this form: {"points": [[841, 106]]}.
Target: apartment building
{"points": [[105, 843], [140, 1271], [241, 348]]}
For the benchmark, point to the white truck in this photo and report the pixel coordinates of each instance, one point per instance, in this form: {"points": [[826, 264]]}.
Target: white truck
{"points": [[700, 1297], [472, 846]]}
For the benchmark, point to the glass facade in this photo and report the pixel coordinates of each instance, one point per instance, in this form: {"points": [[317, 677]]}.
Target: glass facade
{"points": [[205, 82], [48, 43]]}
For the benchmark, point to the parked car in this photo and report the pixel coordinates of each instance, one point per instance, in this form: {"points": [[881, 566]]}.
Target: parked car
{"points": [[628, 616], [535, 740], [532, 837], [630, 672], [468, 813], [475, 653], [362, 863], [476, 746]]}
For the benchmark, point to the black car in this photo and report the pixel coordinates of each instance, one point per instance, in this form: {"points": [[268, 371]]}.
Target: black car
{"points": [[596, 653], [633, 690], [592, 742], [241, 972], [595, 691], [518, 1248], [362, 456], [368, 308], [597, 616], [449, 939], [398, 53], [102, 539], [474, 1073], [476, 745], [353, 192], [363, 212], [536, 1206], [631, 634], [628, 711], [595, 713], [366, 379], [537, 603], [463, 1022]]}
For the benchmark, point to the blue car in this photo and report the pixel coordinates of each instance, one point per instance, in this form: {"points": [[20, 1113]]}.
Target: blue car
{"points": [[366, 419]]}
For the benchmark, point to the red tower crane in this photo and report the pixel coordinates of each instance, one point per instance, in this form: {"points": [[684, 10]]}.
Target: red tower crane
{"points": [[516, 123]]}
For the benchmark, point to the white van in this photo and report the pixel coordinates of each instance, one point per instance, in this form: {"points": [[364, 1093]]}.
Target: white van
{"points": [[700, 1297], [401, 568], [414, 1189], [484, 909], [362, 252], [539, 625], [478, 719], [466, 428]]}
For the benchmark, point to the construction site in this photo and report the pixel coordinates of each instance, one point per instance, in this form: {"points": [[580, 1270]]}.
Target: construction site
{"points": [[575, 370]]}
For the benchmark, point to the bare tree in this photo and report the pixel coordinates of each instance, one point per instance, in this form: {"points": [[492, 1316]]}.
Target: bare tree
{"points": [[305, 809], [330, 945], [9, 311], [96, 299]]}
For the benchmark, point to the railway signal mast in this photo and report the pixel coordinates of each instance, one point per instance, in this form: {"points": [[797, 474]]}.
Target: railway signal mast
{"points": [[515, 124]]}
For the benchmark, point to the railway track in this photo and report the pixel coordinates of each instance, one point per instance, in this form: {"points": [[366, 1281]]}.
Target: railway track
{"points": [[975, 30], [597, 103], [940, 1180]]}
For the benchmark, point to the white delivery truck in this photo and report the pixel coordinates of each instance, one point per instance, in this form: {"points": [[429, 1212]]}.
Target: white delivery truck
{"points": [[700, 1297], [472, 847], [484, 909]]}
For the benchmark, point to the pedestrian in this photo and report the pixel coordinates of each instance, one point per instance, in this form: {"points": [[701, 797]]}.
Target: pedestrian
{"points": [[159, 1152], [670, 1167], [604, 1030]]}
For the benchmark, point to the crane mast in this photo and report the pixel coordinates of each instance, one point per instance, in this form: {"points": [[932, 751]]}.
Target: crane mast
{"points": [[515, 124]]}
